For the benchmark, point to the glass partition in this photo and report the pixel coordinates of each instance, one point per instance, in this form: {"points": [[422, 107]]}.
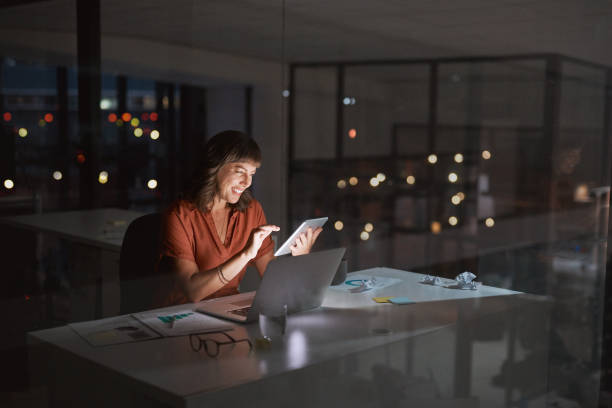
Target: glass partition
{"points": [[438, 139], [493, 165]]}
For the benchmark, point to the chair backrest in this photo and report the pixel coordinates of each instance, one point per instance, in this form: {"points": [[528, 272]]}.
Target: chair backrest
{"points": [[137, 264]]}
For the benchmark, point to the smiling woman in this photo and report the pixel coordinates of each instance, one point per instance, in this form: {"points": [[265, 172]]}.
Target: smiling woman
{"points": [[218, 228]]}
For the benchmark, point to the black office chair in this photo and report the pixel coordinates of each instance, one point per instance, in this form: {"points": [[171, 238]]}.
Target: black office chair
{"points": [[139, 283]]}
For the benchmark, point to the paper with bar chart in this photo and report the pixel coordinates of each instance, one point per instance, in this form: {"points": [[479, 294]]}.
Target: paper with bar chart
{"points": [[182, 322]]}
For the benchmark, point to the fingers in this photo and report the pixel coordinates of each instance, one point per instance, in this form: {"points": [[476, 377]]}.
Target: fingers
{"points": [[269, 227], [308, 238], [297, 250], [263, 231], [304, 242], [312, 235], [260, 235], [309, 234], [316, 234], [299, 247]]}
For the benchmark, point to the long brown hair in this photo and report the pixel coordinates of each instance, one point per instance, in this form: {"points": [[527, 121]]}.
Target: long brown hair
{"points": [[228, 146]]}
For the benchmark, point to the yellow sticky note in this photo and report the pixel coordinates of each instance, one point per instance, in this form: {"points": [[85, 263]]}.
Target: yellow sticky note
{"points": [[382, 299]]}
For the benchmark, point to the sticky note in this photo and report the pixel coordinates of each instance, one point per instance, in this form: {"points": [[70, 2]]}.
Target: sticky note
{"points": [[400, 300], [382, 299]]}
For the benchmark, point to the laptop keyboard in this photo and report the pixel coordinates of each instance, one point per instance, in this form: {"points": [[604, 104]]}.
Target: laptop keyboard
{"points": [[241, 312]]}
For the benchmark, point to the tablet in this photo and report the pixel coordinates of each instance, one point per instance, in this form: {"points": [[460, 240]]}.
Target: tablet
{"points": [[313, 223]]}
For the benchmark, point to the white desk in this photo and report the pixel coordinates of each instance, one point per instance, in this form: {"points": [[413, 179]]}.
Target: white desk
{"points": [[331, 356]]}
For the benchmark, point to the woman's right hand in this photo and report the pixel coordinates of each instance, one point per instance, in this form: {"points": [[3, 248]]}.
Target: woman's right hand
{"points": [[257, 237]]}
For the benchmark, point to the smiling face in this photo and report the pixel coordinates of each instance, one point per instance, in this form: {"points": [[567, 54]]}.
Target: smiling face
{"points": [[233, 179]]}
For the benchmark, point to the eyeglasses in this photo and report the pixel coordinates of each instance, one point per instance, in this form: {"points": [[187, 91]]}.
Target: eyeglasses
{"points": [[212, 346]]}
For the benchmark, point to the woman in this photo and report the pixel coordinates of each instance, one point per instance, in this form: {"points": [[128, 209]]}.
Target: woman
{"points": [[218, 228]]}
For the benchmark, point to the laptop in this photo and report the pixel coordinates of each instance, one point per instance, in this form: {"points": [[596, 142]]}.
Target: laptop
{"points": [[296, 281]]}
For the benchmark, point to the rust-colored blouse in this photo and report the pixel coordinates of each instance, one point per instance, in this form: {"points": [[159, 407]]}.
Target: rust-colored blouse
{"points": [[189, 233]]}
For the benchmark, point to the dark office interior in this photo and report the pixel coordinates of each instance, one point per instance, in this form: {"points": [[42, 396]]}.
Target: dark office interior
{"points": [[437, 137]]}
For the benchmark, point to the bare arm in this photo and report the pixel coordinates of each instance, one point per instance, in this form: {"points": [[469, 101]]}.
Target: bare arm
{"points": [[196, 284]]}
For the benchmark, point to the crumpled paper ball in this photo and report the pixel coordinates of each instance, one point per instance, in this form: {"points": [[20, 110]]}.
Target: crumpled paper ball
{"points": [[465, 280], [432, 280]]}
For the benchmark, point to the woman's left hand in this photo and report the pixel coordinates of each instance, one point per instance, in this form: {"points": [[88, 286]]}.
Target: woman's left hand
{"points": [[305, 241]]}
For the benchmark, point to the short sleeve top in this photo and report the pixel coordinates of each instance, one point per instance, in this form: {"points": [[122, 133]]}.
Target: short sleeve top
{"points": [[189, 233]]}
